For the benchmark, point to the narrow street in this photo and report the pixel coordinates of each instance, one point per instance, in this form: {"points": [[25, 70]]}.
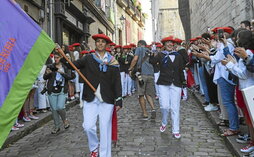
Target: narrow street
{"points": [[137, 137]]}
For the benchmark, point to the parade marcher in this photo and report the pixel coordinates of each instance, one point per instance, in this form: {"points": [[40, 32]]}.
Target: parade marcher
{"points": [[76, 53], [146, 78], [112, 48], [125, 61], [118, 51], [170, 83], [57, 87], [102, 71]]}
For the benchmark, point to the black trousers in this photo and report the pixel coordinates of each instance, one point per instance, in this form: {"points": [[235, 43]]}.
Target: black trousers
{"points": [[211, 87]]}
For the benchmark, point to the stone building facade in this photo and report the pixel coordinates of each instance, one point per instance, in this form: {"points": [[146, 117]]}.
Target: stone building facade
{"points": [[166, 19], [71, 21], [214, 13]]}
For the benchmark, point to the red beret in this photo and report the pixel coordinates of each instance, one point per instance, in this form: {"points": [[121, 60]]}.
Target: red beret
{"points": [[102, 36], [91, 51], [177, 40], [226, 29], [126, 47], [170, 38], [157, 43], [112, 44], [84, 52], [51, 55], [198, 37], [159, 46], [75, 44], [70, 48], [133, 45], [118, 46], [108, 49], [193, 39]]}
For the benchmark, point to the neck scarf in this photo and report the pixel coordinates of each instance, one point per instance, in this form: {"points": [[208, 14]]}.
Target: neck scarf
{"points": [[103, 65], [167, 54]]}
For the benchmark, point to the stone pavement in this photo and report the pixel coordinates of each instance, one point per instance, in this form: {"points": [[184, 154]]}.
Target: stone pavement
{"points": [[137, 137]]}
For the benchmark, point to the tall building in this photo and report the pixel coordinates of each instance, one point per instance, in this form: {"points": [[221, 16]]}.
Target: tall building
{"points": [[166, 19]]}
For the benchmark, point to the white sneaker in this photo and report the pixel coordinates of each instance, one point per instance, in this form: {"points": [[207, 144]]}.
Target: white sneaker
{"points": [[33, 117], [211, 107], [81, 105], [162, 128], [14, 128], [177, 136]]}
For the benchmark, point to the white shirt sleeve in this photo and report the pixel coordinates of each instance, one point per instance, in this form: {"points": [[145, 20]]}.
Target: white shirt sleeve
{"points": [[239, 71], [76, 55]]}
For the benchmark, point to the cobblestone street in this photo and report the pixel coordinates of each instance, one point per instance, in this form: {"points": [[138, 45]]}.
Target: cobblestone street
{"points": [[137, 137]]}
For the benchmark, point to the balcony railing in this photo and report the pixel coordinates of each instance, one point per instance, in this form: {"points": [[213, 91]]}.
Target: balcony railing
{"points": [[123, 3], [142, 21], [59, 8], [131, 8], [137, 14]]}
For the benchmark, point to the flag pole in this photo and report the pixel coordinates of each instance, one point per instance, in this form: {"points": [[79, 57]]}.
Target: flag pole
{"points": [[75, 68]]}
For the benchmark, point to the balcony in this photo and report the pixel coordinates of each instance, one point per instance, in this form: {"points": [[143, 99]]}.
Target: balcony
{"points": [[137, 15], [142, 21], [131, 8], [123, 3], [59, 8]]}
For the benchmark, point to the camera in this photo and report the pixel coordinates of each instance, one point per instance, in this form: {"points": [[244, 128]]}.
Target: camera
{"points": [[44, 90], [221, 33], [140, 80], [52, 67]]}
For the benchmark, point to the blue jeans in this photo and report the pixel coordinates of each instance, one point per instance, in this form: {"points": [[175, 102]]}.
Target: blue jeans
{"points": [[203, 82], [227, 94]]}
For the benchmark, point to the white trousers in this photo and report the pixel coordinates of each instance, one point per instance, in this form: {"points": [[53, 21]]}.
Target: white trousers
{"points": [[81, 86], [169, 98], [156, 77], [185, 93], [77, 89], [123, 80], [91, 111], [128, 84]]}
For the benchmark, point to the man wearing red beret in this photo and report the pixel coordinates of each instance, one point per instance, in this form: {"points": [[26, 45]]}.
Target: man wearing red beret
{"points": [[102, 71], [125, 61]]}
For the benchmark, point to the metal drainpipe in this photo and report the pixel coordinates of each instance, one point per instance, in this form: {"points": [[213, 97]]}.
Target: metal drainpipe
{"points": [[115, 16], [51, 17]]}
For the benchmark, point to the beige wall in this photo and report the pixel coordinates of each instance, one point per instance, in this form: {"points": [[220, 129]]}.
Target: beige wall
{"points": [[134, 26], [168, 20], [94, 30]]}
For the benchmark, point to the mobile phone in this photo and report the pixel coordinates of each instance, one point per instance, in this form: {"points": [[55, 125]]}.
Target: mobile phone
{"points": [[221, 33]]}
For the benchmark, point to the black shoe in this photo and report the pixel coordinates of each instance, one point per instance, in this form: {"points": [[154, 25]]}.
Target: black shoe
{"points": [[153, 114], [205, 103], [243, 139], [66, 124], [55, 130]]}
